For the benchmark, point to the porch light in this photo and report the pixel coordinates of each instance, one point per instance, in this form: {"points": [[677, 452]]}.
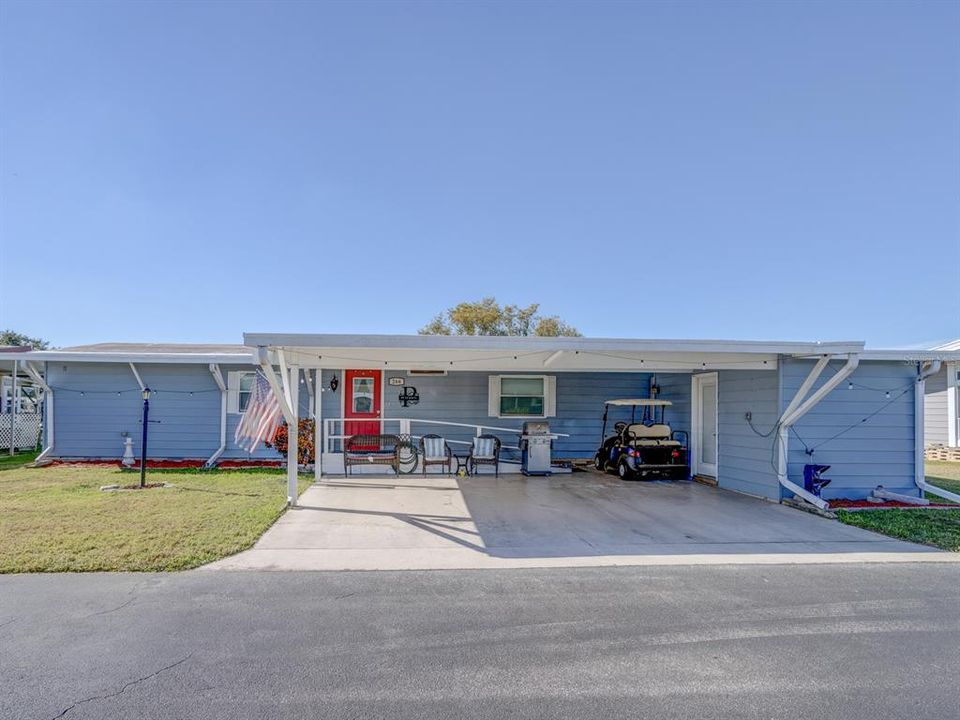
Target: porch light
{"points": [[146, 393]]}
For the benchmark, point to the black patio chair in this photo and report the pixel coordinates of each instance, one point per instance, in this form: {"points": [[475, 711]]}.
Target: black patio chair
{"points": [[484, 451], [435, 451]]}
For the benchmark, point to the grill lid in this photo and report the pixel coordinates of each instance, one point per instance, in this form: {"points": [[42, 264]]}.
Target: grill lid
{"points": [[536, 427]]}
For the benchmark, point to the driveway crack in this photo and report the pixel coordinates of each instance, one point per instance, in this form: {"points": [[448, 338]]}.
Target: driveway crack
{"points": [[118, 607], [122, 689]]}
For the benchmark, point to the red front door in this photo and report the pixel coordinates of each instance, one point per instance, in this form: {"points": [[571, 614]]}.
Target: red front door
{"points": [[361, 400]]}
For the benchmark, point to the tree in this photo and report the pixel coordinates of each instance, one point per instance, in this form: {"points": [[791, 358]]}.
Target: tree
{"points": [[9, 337], [487, 317]]}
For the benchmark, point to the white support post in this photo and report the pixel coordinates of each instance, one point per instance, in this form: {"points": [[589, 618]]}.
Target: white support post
{"points": [[293, 437], [284, 376], [136, 374], [48, 420], [218, 379], [13, 410], [807, 384], [953, 405], [799, 407], [318, 427], [553, 358], [919, 449], [289, 414]]}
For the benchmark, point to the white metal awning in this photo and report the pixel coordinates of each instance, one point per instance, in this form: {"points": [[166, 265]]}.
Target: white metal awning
{"points": [[533, 354]]}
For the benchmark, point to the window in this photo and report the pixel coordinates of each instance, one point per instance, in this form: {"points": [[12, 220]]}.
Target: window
{"points": [[239, 390], [522, 396], [244, 388], [363, 394]]}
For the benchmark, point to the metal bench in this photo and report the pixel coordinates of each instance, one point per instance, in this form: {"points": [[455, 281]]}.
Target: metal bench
{"points": [[371, 450]]}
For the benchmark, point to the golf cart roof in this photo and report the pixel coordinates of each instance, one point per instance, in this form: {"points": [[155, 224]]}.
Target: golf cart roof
{"points": [[640, 401]]}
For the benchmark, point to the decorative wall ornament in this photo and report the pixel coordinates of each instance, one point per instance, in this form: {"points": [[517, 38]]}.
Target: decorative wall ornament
{"points": [[409, 396]]}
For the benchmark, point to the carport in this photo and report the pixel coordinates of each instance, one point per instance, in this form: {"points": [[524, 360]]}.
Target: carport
{"points": [[575, 368], [585, 519]]}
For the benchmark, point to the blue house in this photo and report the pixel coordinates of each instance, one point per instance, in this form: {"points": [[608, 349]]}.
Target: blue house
{"points": [[755, 412]]}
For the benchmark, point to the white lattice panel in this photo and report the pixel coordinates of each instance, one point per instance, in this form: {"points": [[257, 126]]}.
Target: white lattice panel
{"points": [[25, 431]]}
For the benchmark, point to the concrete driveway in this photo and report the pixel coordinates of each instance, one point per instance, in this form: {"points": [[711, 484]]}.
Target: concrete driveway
{"points": [[584, 519]]}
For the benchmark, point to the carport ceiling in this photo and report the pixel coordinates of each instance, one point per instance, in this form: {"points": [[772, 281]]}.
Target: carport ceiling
{"points": [[532, 354]]}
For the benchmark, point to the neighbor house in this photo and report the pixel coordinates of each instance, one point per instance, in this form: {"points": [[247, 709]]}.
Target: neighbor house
{"points": [[755, 412], [941, 417]]}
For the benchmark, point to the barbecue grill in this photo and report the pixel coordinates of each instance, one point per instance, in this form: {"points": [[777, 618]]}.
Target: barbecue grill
{"points": [[536, 444]]}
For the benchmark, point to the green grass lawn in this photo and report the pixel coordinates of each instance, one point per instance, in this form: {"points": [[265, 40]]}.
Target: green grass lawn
{"points": [[945, 475], [8, 461], [56, 519], [939, 528]]}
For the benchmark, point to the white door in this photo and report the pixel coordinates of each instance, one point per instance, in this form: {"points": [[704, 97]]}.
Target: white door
{"points": [[704, 441]]}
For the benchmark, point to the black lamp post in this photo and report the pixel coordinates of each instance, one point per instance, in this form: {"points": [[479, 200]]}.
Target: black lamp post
{"points": [[143, 442]]}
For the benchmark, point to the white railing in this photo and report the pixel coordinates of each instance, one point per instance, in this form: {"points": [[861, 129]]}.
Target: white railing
{"points": [[333, 429]]}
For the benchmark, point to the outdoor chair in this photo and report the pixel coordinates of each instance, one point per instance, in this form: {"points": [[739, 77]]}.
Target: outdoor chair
{"points": [[371, 450], [484, 451], [435, 451]]}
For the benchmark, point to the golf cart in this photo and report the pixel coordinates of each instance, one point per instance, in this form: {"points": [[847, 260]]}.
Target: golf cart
{"points": [[643, 449]]}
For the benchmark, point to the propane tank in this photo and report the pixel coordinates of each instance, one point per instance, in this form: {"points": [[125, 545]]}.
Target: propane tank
{"points": [[128, 459]]}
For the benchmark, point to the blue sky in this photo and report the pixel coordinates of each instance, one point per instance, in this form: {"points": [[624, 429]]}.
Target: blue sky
{"points": [[191, 171]]}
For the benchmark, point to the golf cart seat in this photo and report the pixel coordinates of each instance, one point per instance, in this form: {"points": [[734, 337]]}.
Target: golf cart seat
{"points": [[640, 435]]}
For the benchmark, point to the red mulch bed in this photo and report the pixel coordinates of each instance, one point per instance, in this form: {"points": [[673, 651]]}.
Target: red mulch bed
{"points": [[841, 504]]}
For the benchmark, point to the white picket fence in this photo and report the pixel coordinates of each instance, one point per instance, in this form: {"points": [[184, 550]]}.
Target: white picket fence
{"points": [[23, 428]]}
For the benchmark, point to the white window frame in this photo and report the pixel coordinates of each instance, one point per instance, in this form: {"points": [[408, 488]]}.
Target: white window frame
{"points": [[233, 390], [549, 396]]}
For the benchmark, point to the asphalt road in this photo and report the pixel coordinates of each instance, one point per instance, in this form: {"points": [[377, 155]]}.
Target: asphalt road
{"points": [[856, 641]]}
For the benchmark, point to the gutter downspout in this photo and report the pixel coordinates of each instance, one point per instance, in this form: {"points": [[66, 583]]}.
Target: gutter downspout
{"points": [[48, 423], [918, 419], [799, 407], [218, 377]]}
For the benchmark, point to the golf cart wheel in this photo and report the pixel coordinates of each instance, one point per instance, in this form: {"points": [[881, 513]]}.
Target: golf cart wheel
{"points": [[625, 471], [599, 463]]}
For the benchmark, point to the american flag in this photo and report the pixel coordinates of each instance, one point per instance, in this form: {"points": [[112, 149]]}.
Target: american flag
{"points": [[261, 418]]}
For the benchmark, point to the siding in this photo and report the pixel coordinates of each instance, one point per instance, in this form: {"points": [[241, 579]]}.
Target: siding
{"points": [[746, 458], [97, 402], [461, 396], [935, 409], [879, 451]]}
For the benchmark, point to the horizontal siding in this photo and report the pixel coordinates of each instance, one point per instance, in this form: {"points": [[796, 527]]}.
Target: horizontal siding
{"points": [[879, 451], [935, 409], [97, 402], [461, 396], [745, 458]]}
